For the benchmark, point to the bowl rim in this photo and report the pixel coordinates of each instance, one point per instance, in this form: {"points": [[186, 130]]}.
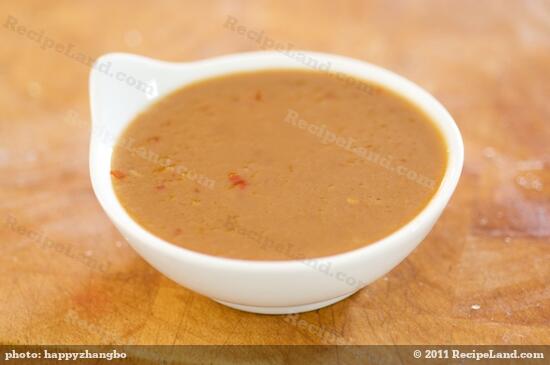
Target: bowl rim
{"points": [[422, 99]]}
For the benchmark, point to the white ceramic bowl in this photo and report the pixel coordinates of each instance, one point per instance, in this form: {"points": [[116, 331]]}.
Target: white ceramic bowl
{"points": [[122, 85]]}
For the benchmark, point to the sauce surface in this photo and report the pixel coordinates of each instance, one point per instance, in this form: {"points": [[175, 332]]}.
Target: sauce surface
{"points": [[277, 165]]}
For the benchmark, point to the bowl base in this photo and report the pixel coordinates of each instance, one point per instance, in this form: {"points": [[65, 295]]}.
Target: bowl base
{"points": [[285, 310]]}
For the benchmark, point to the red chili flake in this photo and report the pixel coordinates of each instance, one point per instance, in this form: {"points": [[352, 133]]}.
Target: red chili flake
{"points": [[178, 231], [153, 139], [258, 96], [160, 187], [237, 180], [118, 174], [196, 190]]}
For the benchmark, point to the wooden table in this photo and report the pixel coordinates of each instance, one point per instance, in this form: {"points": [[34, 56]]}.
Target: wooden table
{"points": [[482, 275]]}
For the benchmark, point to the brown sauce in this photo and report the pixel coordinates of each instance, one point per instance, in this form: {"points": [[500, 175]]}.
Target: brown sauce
{"points": [[277, 165]]}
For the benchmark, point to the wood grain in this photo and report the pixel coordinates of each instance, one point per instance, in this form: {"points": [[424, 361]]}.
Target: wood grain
{"points": [[482, 275]]}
